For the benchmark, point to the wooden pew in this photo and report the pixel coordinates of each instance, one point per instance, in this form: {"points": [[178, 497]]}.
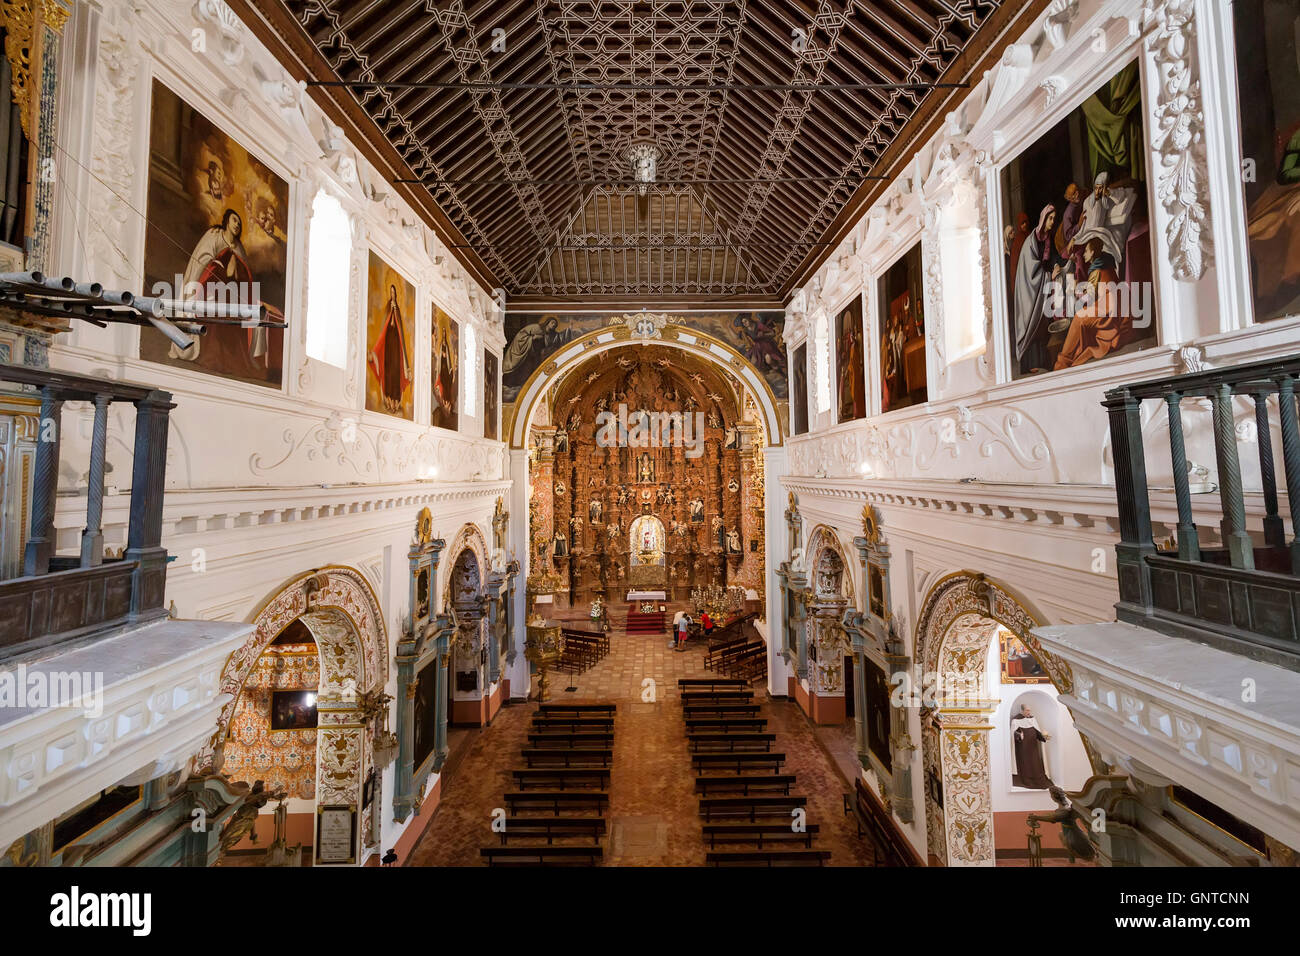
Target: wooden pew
{"points": [[557, 801], [753, 807], [718, 647], [710, 683], [572, 778], [575, 710], [796, 857], [718, 697], [551, 827], [889, 847], [725, 724], [551, 756], [712, 711], [762, 783], [601, 637], [574, 725], [759, 833], [580, 739], [738, 762], [542, 855], [740, 740]]}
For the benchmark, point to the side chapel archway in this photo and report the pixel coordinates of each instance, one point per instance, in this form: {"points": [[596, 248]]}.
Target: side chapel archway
{"points": [[338, 606], [959, 620]]}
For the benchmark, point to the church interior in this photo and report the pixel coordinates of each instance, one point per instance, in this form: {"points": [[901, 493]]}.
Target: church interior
{"points": [[699, 434]]}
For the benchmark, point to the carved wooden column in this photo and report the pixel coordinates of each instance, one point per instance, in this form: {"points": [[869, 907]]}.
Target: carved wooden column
{"points": [[148, 478], [41, 544]]}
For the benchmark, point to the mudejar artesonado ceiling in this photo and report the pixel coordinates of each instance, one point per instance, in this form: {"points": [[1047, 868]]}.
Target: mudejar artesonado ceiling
{"points": [[701, 152]]}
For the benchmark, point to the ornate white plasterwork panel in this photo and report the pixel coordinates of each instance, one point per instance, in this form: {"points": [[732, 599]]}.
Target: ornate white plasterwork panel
{"points": [[1178, 135], [996, 443]]}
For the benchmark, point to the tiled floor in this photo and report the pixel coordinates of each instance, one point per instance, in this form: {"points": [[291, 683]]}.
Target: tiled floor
{"points": [[654, 812]]}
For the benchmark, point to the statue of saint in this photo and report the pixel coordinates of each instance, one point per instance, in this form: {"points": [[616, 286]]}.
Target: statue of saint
{"points": [[1027, 766]]}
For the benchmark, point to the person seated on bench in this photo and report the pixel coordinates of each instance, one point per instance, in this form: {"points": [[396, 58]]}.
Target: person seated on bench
{"points": [[681, 622]]}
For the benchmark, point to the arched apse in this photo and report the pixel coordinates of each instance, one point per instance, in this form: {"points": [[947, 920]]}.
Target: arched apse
{"points": [[615, 336]]}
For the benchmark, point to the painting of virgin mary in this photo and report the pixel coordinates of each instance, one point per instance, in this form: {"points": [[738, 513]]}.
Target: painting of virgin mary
{"points": [[389, 333]]}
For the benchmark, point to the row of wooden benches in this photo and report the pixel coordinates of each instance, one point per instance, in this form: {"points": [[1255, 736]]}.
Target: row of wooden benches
{"points": [[756, 807], [582, 649], [568, 759]]}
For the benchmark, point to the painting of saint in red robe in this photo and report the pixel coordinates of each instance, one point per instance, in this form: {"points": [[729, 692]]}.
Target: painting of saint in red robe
{"points": [[389, 332]]}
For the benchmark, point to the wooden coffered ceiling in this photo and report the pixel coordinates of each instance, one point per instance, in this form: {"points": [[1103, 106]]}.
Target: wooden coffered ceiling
{"points": [[508, 123]]}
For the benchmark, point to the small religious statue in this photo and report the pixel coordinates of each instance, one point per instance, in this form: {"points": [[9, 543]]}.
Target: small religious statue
{"points": [[560, 488], [575, 525], [713, 420], [561, 545], [645, 469], [697, 509], [729, 437], [1027, 767], [1073, 837], [733, 542], [733, 486], [595, 511], [561, 442], [575, 420]]}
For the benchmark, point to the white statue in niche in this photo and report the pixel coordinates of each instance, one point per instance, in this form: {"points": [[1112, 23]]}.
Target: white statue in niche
{"points": [[646, 540]]}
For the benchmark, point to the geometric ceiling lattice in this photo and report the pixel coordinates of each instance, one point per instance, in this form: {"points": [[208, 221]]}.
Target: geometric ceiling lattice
{"points": [[752, 170]]}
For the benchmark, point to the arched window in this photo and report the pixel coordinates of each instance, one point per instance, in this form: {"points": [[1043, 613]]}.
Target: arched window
{"points": [[470, 365], [329, 261], [822, 361]]}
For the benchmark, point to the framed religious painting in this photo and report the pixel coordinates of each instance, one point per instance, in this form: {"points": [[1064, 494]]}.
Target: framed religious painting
{"points": [[1019, 665], [1266, 34], [876, 590], [390, 332], [1077, 236], [491, 413], [293, 710], [799, 391], [878, 712], [901, 302], [446, 371], [850, 371], [425, 712], [216, 228]]}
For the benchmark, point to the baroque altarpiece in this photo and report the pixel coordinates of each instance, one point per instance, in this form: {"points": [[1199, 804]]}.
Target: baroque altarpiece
{"points": [[649, 477]]}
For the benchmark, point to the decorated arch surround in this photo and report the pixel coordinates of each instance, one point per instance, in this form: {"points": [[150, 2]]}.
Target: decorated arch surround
{"points": [[959, 617], [469, 536], [338, 606], [670, 333]]}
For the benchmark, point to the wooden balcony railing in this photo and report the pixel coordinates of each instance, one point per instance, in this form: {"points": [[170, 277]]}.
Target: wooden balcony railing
{"points": [[1245, 595], [64, 597]]}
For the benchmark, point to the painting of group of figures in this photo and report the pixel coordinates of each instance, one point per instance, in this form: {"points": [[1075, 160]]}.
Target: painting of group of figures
{"points": [[531, 338], [1267, 37], [901, 302], [216, 229], [1076, 236]]}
